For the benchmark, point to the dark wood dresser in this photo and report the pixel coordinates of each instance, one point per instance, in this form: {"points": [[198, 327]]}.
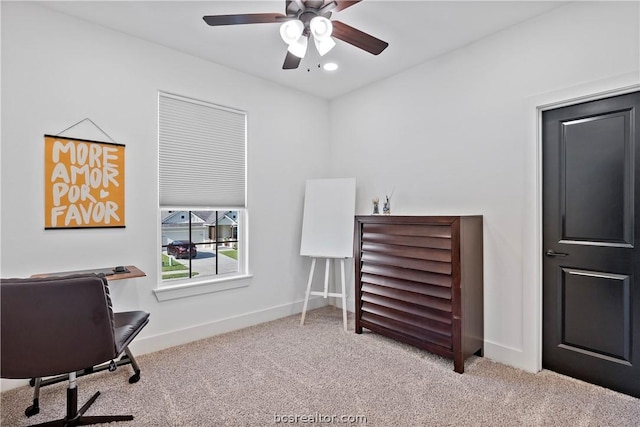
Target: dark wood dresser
{"points": [[419, 281]]}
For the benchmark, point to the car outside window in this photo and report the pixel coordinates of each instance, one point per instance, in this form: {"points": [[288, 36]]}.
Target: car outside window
{"points": [[199, 243]]}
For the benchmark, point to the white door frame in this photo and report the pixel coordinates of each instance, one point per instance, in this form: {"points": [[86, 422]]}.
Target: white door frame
{"points": [[532, 221]]}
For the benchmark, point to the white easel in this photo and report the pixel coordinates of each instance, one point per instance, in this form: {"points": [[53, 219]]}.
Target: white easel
{"points": [[326, 292], [327, 232]]}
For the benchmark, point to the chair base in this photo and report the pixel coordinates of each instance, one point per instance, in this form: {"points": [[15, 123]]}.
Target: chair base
{"points": [[75, 417], [126, 359]]}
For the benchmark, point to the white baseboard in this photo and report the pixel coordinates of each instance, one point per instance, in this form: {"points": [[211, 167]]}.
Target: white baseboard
{"points": [[351, 304], [143, 345], [506, 355], [6, 384]]}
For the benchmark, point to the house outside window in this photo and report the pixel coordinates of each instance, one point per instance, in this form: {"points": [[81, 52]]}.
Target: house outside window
{"points": [[202, 177], [199, 243]]}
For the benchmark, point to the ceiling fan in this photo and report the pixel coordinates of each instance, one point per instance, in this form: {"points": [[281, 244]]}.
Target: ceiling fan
{"points": [[302, 20]]}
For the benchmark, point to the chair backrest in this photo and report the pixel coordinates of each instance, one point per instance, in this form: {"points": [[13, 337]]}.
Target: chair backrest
{"points": [[52, 326]]}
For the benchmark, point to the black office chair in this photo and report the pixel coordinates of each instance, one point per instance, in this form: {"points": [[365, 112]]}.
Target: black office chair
{"points": [[61, 326], [123, 321]]}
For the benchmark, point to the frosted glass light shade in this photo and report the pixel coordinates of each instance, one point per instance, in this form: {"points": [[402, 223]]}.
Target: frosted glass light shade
{"points": [[324, 46], [299, 48], [321, 28], [291, 31]]}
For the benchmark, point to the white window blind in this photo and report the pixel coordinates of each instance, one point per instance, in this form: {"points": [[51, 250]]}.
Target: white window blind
{"points": [[202, 153]]}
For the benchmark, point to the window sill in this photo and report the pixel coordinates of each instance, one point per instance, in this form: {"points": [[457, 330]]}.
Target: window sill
{"points": [[183, 290]]}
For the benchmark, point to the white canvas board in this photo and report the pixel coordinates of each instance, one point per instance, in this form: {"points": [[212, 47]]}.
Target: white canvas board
{"points": [[327, 223]]}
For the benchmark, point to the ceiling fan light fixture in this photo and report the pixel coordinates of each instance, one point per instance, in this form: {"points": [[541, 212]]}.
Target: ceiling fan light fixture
{"points": [[291, 31], [321, 28], [299, 48], [324, 46], [304, 19]]}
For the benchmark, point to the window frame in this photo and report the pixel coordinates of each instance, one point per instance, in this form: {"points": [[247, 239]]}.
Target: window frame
{"points": [[180, 288], [197, 285], [216, 242]]}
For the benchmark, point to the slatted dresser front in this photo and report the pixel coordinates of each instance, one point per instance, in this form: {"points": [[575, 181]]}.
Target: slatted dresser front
{"points": [[419, 280]]}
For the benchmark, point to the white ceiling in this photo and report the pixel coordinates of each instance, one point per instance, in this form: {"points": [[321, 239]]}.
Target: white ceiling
{"points": [[415, 30]]}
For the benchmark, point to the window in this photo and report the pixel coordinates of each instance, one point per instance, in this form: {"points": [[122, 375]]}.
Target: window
{"points": [[199, 243], [202, 176]]}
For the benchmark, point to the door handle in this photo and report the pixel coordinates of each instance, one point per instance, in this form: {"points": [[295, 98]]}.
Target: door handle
{"points": [[551, 252]]}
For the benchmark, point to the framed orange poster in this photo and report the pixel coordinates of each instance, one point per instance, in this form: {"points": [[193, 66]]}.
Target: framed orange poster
{"points": [[84, 183]]}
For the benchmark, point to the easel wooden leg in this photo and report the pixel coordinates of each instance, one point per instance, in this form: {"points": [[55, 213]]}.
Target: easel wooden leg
{"points": [[325, 293], [306, 297], [327, 266]]}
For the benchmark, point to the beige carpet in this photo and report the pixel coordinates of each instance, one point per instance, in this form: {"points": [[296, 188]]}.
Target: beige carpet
{"points": [[320, 374]]}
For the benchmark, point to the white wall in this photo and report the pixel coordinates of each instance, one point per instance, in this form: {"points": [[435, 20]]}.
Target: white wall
{"points": [[453, 136], [56, 71]]}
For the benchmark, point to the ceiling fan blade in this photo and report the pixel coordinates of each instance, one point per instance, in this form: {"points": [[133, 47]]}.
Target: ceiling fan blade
{"points": [[358, 38], [247, 18], [344, 4], [291, 61]]}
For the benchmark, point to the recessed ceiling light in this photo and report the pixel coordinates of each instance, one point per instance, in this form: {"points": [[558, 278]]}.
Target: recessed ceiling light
{"points": [[330, 66]]}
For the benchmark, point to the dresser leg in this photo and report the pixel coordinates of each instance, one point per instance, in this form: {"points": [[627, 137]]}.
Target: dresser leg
{"points": [[458, 363]]}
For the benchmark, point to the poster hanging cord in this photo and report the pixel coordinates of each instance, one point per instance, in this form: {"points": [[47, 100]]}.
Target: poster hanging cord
{"points": [[92, 122]]}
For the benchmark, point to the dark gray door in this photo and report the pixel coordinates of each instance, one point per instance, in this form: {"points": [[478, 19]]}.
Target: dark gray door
{"points": [[591, 239]]}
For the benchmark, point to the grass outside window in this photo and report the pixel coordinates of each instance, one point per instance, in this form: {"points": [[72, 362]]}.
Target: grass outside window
{"points": [[171, 264]]}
